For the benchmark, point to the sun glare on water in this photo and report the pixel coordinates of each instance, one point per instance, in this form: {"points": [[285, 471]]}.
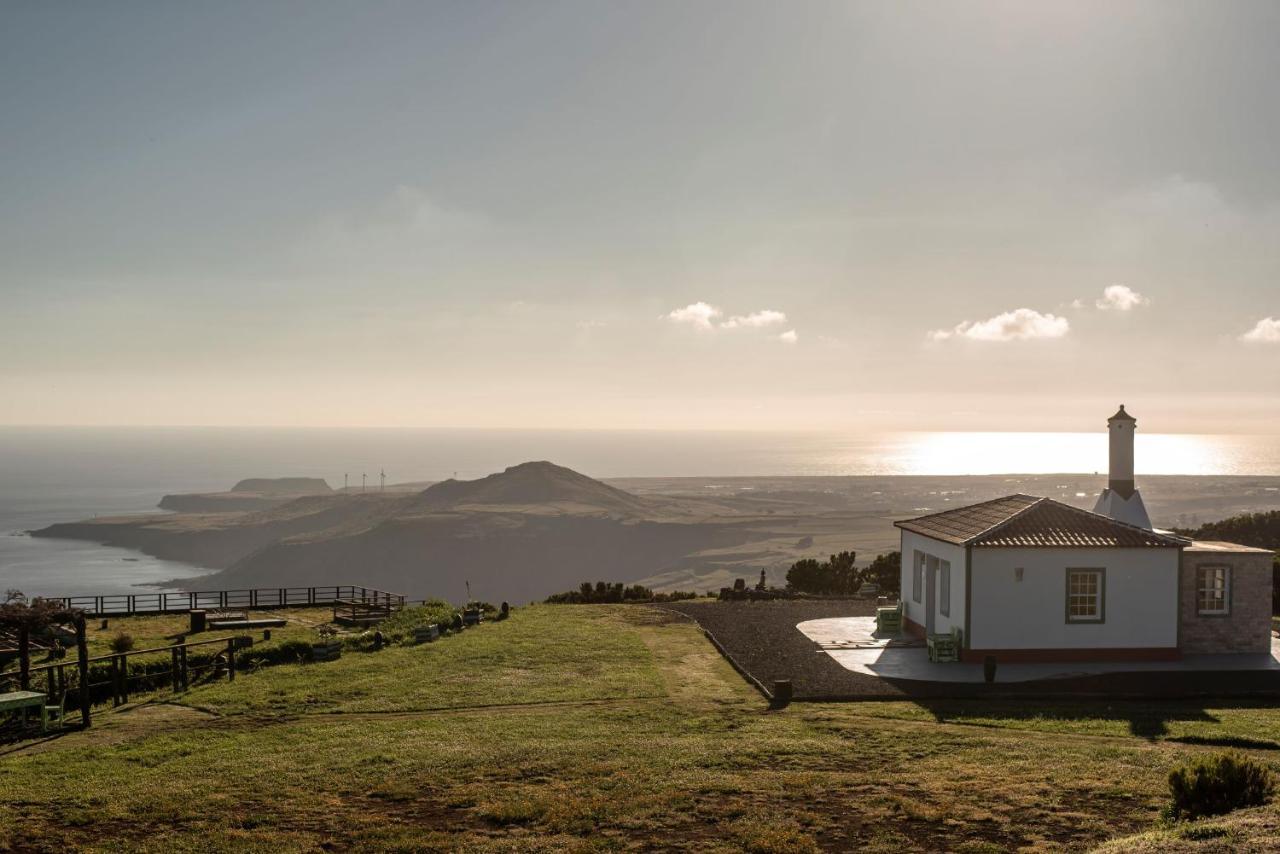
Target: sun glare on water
{"points": [[1045, 453]]}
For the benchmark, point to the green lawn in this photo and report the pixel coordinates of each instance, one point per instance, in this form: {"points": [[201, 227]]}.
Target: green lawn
{"points": [[592, 728]]}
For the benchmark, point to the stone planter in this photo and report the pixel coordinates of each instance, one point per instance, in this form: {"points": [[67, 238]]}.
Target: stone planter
{"points": [[426, 634], [326, 650], [472, 616]]}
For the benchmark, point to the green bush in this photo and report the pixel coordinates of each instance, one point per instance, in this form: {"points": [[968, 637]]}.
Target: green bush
{"points": [[400, 625], [1218, 784], [122, 642]]}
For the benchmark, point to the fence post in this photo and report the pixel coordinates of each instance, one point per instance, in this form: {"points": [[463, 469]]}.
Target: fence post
{"points": [[182, 664], [231, 659], [130, 604], [82, 663], [115, 680], [24, 657], [173, 669]]}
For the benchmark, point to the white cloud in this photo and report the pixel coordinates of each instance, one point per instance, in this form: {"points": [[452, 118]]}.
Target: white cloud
{"points": [[591, 323], [766, 317], [1267, 331], [698, 314], [1120, 298], [1018, 325], [703, 316]]}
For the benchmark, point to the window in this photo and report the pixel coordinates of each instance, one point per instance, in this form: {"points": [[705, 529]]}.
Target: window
{"points": [[944, 588], [1213, 590], [1086, 595], [917, 578]]}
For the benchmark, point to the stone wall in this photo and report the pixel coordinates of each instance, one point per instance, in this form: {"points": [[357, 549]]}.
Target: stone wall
{"points": [[1247, 626]]}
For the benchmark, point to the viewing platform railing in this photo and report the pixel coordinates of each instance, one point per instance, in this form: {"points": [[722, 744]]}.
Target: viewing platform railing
{"points": [[123, 605]]}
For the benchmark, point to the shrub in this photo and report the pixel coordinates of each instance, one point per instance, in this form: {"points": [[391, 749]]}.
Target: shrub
{"points": [[603, 592], [837, 576], [122, 642], [400, 625], [1218, 784]]}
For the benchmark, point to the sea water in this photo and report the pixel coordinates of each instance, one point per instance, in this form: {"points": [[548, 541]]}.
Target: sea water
{"points": [[52, 475]]}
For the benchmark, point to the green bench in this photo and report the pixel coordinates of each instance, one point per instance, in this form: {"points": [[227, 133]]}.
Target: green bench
{"points": [[21, 701], [946, 647], [889, 620]]}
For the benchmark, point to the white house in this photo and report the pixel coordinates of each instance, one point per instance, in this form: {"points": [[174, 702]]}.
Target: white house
{"points": [[1033, 579]]}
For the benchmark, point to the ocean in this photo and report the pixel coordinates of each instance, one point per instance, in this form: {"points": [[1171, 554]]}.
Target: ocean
{"points": [[63, 474]]}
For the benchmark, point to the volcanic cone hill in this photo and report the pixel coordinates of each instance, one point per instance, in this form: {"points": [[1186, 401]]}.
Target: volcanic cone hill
{"points": [[536, 484]]}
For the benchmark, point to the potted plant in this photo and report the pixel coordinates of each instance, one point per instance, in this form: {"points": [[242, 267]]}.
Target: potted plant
{"points": [[329, 647]]}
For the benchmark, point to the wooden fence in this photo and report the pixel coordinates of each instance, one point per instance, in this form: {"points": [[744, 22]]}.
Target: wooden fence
{"points": [[123, 605], [75, 684]]}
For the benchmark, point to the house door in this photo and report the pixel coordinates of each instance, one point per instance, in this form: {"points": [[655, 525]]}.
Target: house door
{"points": [[930, 592]]}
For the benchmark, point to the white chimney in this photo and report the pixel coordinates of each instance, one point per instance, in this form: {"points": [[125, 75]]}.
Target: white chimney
{"points": [[1121, 500]]}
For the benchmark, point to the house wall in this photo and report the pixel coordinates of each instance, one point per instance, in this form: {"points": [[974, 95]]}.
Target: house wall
{"points": [[1140, 608], [915, 611], [1247, 626]]}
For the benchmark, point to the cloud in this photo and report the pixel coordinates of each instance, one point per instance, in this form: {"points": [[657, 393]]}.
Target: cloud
{"points": [[1267, 331], [1121, 298], [766, 317], [698, 315], [703, 316], [1021, 324]]}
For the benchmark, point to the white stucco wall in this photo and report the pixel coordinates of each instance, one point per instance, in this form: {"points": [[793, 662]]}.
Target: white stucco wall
{"points": [[1140, 608], [915, 611]]}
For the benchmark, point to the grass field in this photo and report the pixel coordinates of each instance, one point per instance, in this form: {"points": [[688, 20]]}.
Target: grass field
{"points": [[601, 728]]}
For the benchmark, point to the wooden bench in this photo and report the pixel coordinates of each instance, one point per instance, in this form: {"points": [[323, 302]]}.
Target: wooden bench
{"points": [[264, 623], [889, 620], [945, 647], [20, 701]]}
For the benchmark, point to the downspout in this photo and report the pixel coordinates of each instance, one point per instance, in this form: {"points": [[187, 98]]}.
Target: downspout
{"points": [[968, 600]]}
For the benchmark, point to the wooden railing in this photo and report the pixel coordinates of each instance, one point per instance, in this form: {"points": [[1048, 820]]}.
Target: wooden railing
{"points": [[354, 611], [253, 598], [73, 680]]}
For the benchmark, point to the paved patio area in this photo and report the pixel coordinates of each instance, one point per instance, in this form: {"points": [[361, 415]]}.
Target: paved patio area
{"points": [[854, 645]]}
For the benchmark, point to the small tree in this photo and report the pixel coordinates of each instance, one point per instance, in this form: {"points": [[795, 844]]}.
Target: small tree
{"points": [[838, 576], [885, 572]]}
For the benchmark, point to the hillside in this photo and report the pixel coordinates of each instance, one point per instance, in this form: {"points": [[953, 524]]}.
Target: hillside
{"points": [[539, 528], [283, 485], [254, 493], [542, 485], [583, 728]]}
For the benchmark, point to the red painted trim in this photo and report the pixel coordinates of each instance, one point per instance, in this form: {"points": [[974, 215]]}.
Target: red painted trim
{"points": [[1014, 656], [913, 628]]}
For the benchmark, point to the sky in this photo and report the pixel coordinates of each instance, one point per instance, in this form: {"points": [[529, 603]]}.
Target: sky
{"points": [[667, 215]]}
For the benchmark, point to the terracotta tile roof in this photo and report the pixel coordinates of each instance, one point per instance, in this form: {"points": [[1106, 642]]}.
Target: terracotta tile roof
{"points": [[1023, 521]]}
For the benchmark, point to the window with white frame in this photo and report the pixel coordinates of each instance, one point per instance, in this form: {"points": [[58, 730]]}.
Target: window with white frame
{"points": [[1086, 595], [1213, 590], [917, 577], [944, 588]]}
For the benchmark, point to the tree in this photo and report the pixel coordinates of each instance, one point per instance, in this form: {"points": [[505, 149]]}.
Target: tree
{"points": [[885, 572], [837, 577]]}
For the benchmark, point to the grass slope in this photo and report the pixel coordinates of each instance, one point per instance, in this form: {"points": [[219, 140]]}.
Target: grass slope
{"points": [[587, 728]]}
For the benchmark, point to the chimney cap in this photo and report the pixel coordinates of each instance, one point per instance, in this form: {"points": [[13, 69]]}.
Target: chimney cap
{"points": [[1121, 416]]}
